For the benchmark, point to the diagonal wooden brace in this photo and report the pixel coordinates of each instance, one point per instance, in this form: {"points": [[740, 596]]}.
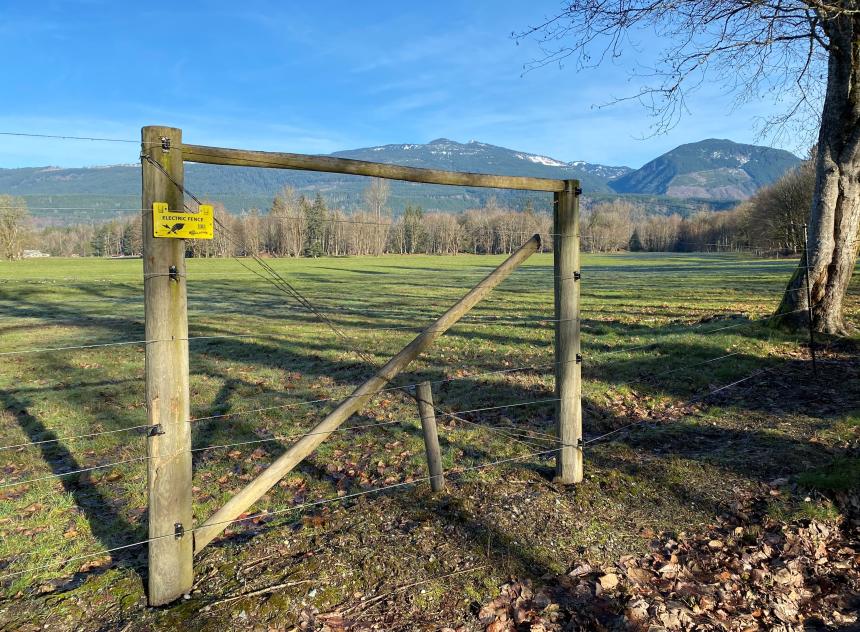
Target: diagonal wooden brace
{"points": [[252, 492]]}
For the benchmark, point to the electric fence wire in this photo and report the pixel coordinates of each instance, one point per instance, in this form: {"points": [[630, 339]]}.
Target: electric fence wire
{"points": [[454, 379], [687, 403], [300, 436], [362, 327], [303, 301], [89, 435], [297, 404], [280, 282], [710, 393], [91, 138], [132, 342], [382, 391], [265, 515], [436, 408], [510, 432], [650, 379]]}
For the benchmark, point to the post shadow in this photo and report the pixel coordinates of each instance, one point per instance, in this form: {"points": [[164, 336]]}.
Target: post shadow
{"points": [[107, 525]]}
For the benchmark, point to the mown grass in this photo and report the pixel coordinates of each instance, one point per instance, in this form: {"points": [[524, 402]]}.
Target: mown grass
{"points": [[682, 303]]}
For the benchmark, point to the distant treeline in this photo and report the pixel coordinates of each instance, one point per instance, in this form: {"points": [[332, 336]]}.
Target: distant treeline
{"points": [[296, 226], [770, 222]]}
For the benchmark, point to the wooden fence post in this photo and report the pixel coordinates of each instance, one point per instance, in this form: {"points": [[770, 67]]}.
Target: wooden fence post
{"points": [[568, 379], [171, 553], [431, 437]]}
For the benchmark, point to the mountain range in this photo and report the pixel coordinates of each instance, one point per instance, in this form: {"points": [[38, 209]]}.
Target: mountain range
{"points": [[710, 169], [715, 172]]}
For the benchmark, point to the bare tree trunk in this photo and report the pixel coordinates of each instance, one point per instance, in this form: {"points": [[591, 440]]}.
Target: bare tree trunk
{"points": [[835, 216]]}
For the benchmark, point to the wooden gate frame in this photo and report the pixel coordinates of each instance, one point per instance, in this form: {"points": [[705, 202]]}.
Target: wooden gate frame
{"points": [[174, 539]]}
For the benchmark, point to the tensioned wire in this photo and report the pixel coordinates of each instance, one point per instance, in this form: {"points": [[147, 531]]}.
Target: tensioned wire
{"points": [[510, 432], [108, 140], [490, 408], [276, 279], [285, 286], [381, 391], [329, 399], [450, 473], [713, 392], [311, 307], [281, 283], [299, 436]]}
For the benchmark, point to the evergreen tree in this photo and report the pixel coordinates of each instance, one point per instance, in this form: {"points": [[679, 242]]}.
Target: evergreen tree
{"points": [[412, 228], [635, 244], [315, 218], [99, 242]]}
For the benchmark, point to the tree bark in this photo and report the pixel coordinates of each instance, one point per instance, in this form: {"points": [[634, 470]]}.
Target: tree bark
{"points": [[835, 214]]}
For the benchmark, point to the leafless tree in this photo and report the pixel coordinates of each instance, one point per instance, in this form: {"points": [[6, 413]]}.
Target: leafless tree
{"points": [[659, 232], [222, 243], [279, 234], [14, 222], [286, 236], [607, 226], [775, 214], [376, 199], [803, 53]]}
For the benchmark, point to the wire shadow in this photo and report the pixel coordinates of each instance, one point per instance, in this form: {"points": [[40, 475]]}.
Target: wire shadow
{"points": [[107, 525]]}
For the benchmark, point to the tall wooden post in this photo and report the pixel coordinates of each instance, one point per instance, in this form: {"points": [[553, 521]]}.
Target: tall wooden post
{"points": [[169, 444], [424, 394], [568, 375]]}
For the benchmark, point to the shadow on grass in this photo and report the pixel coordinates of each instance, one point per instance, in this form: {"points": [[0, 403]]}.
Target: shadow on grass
{"points": [[694, 442], [107, 525]]}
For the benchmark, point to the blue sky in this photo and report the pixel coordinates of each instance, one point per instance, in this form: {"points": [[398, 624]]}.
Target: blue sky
{"points": [[316, 78]]}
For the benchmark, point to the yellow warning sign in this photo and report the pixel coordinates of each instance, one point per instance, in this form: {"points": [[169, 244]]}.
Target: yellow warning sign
{"points": [[182, 225]]}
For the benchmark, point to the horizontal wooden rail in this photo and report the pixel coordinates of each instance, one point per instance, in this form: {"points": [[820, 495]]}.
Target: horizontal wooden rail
{"points": [[277, 160], [294, 455]]}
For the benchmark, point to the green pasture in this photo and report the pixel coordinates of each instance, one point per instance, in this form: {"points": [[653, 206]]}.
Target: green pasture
{"points": [[694, 308]]}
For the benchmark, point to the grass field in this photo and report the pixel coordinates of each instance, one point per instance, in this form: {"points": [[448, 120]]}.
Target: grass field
{"points": [[677, 469]]}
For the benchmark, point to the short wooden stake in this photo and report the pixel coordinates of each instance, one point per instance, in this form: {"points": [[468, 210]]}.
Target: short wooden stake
{"points": [[431, 436], [568, 376], [171, 551]]}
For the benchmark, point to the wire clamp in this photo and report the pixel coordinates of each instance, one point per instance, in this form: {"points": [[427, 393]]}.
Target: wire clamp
{"points": [[178, 530], [165, 144], [174, 273], [577, 276], [156, 430], [579, 358], [577, 191]]}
